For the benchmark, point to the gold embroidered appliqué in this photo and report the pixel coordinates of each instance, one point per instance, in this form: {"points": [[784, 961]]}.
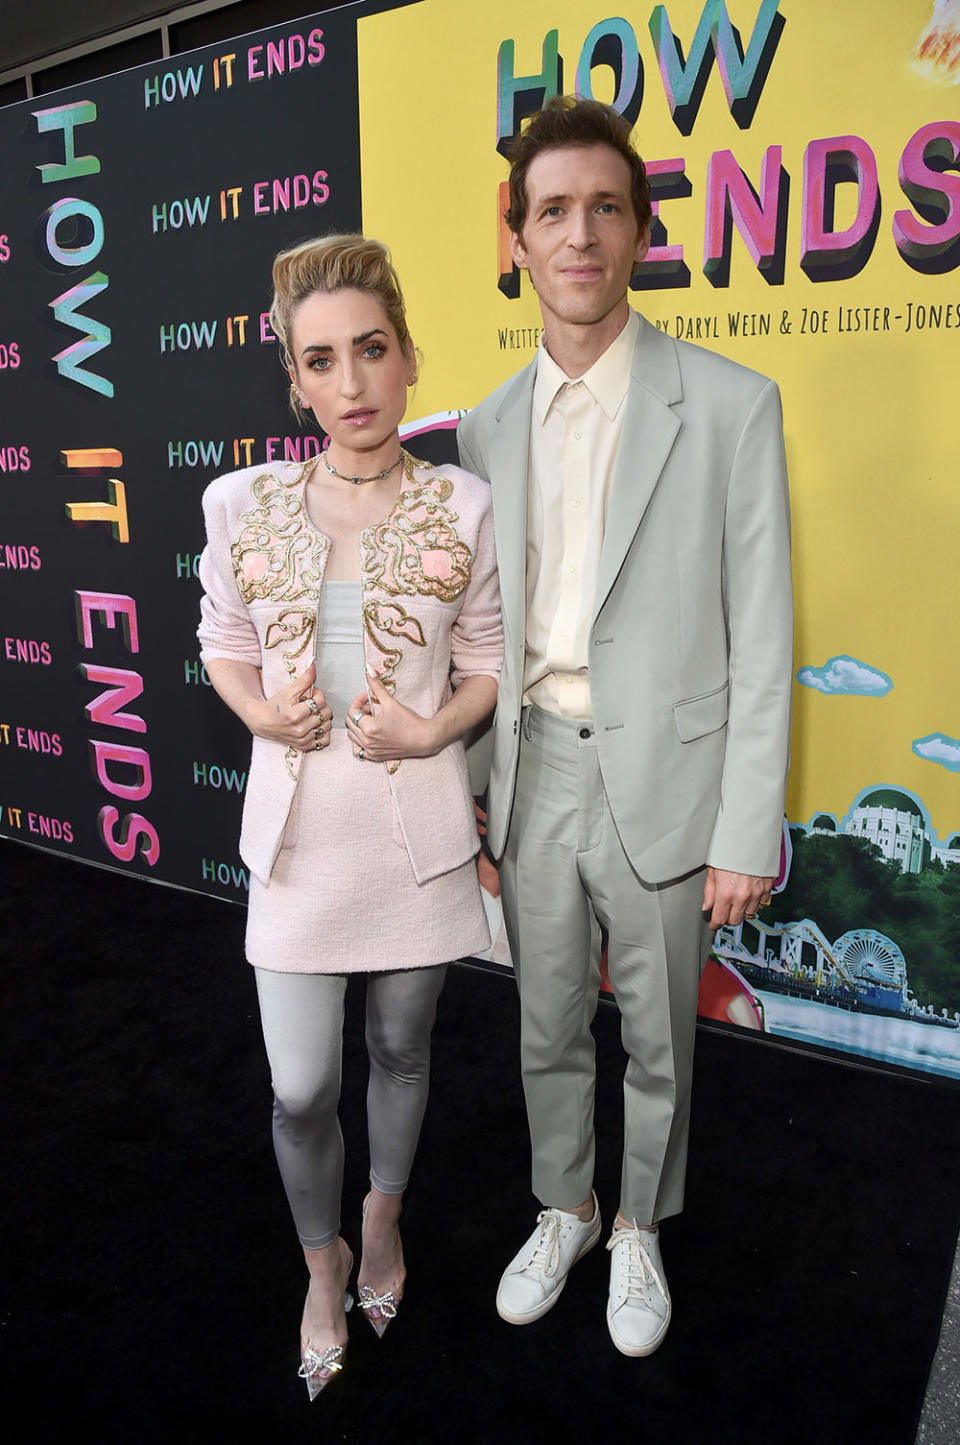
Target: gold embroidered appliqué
{"points": [[417, 549], [383, 620], [278, 558]]}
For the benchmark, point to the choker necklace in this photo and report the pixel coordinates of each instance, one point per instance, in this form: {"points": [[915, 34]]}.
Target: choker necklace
{"points": [[358, 481]]}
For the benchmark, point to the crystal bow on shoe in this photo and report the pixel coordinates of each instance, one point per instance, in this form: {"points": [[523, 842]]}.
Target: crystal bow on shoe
{"points": [[386, 1304], [312, 1365]]}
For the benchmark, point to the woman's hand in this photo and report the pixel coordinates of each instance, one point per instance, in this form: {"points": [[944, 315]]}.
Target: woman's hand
{"points": [[297, 715], [387, 730]]}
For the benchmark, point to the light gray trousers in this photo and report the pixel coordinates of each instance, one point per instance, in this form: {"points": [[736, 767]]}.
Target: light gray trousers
{"points": [[302, 1019], [564, 874]]}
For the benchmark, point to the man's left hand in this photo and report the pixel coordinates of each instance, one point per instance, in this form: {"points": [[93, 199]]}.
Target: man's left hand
{"points": [[731, 897]]}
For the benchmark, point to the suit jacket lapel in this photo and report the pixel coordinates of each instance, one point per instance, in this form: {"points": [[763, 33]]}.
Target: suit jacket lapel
{"points": [[508, 463], [650, 427]]}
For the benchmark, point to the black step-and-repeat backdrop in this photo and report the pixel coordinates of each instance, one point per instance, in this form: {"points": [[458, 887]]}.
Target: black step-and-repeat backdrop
{"points": [[138, 219], [807, 185]]}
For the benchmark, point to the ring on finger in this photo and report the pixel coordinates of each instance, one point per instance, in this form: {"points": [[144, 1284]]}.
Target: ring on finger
{"points": [[356, 716], [312, 705], [361, 754]]}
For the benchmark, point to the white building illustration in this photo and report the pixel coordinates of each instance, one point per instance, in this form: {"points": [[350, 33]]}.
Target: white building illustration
{"points": [[895, 823]]}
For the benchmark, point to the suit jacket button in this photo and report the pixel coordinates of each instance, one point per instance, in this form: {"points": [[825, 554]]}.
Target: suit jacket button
{"points": [[586, 732]]}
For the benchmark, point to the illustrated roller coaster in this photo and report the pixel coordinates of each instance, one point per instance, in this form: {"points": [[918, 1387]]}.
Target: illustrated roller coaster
{"points": [[862, 965]]}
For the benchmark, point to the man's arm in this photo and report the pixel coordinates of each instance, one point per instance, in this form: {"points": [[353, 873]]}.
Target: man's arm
{"points": [[744, 851], [467, 446]]}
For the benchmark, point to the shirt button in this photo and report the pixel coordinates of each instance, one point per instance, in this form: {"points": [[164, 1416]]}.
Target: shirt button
{"points": [[578, 436], [574, 501], [586, 732]]}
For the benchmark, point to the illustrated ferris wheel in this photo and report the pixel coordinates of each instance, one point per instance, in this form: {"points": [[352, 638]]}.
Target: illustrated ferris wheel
{"points": [[871, 957]]}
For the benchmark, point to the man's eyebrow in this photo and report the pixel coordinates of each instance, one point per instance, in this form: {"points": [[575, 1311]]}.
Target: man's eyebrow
{"points": [[594, 196]]}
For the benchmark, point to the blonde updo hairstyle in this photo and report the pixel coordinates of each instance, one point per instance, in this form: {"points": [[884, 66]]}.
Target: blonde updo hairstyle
{"points": [[333, 263]]}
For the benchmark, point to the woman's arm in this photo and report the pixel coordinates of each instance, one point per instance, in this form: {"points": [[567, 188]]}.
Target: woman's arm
{"points": [[287, 717], [231, 652], [389, 730]]}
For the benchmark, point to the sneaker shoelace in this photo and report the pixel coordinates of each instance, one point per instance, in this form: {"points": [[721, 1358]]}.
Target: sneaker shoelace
{"points": [[637, 1268], [546, 1251]]}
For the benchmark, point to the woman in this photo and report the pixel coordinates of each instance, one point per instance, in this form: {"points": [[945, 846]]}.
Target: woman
{"points": [[342, 597]]}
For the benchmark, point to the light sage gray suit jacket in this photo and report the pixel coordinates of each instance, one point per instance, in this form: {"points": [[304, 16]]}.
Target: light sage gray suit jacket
{"points": [[691, 643]]}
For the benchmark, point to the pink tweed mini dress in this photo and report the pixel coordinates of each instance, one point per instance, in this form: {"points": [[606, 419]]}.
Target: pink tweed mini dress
{"points": [[356, 866], [342, 896]]}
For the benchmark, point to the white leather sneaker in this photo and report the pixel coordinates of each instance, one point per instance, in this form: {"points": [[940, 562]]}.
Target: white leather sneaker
{"points": [[532, 1281], [638, 1310]]}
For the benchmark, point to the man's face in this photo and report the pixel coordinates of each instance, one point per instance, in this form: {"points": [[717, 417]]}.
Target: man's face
{"points": [[580, 241]]}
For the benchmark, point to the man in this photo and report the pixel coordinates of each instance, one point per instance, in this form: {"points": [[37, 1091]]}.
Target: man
{"points": [[640, 742]]}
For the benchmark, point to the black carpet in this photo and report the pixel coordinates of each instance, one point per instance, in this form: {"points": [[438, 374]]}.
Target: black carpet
{"points": [[152, 1283]]}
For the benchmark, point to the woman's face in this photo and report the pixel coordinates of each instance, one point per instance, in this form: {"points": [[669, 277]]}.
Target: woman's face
{"points": [[349, 366]]}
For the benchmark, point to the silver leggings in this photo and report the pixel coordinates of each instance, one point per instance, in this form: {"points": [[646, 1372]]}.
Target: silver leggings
{"points": [[302, 1019]]}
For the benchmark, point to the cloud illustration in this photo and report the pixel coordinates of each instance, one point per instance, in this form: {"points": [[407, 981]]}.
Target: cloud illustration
{"points": [[938, 748], [846, 675]]}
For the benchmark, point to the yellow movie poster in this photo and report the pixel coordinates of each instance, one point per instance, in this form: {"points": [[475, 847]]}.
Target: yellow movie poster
{"points": [[804, 165]]}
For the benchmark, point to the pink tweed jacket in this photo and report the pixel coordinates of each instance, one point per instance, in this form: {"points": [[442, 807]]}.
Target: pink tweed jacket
{"points": [[431, 617]]}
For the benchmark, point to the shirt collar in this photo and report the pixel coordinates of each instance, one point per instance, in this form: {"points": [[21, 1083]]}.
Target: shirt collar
{"points": [[607, 379]]}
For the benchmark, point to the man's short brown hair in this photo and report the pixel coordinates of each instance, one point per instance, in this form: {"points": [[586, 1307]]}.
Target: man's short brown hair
{"points": [[566, 121]]}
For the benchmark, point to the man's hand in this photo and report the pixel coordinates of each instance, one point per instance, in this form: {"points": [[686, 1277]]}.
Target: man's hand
{"points": [[731, 897]]}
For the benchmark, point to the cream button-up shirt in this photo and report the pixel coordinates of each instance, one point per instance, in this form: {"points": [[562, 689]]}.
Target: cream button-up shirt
{"points": [[575, 431]]}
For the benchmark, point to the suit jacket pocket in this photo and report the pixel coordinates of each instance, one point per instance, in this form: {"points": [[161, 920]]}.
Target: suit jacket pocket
{"points": [[697, 716]]}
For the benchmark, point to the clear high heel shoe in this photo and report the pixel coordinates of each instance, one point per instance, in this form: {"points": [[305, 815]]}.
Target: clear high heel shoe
{"points": [[319, 1369], [378, 1309]]}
